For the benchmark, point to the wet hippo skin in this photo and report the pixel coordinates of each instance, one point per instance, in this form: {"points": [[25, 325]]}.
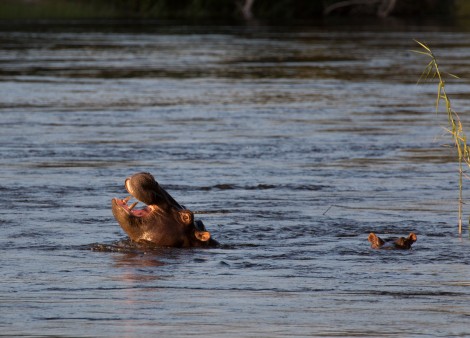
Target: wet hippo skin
{"points": [[400, 243], [163, 221]]}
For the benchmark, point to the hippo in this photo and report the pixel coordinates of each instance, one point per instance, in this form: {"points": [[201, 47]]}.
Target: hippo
{"points": [[163, 221], [400, 243]]}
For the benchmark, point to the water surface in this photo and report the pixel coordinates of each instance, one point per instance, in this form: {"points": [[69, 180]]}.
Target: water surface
{"points": [[291, 143]]}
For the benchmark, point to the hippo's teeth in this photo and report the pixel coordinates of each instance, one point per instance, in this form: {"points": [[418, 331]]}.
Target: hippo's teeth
{"points": [[132, 206], [125, 200]]}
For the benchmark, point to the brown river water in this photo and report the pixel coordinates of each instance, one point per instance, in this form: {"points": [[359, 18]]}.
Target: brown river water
{"points": [[291, 143]]}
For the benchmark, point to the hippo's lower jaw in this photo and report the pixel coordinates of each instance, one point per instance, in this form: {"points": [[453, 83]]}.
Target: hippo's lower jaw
{"points": [[162, 221], [400, 243]]}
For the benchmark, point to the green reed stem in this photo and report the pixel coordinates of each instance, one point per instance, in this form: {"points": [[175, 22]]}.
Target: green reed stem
{"points": [[455, 127]]}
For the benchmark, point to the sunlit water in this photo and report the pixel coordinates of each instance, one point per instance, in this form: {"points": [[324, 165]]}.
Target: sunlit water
{"points": [[292, 144]]}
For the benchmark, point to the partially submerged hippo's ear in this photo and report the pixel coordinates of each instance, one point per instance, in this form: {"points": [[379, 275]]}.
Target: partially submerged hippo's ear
{"points": [[372, 237], [375, 241], [203, 236], [412, 237], [186, 217]]}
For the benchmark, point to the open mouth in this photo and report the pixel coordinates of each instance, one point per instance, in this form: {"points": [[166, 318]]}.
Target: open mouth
{"points": [[131, 209]]}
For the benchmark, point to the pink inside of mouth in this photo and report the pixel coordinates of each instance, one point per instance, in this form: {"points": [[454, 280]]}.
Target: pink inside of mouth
{"points": [[137, 212]]}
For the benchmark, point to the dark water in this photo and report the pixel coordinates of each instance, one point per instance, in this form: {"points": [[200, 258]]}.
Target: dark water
{"points": [[292, 144]]}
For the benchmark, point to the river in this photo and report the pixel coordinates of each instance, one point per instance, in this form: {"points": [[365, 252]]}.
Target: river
{"points": [[291, 143]]}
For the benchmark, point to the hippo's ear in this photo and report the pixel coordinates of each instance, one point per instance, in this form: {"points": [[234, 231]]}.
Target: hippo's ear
{"points": [[375, 241], [372, 237], [203, 236], [186, 217], [412, 237]]}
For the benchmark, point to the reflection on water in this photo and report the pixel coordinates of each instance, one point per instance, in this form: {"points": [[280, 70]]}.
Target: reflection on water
{"points": [[291, 143]]}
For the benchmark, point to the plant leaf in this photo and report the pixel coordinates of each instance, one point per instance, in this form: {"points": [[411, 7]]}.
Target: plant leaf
{"points": [[453, 75], [421, 52], [424, 46]]}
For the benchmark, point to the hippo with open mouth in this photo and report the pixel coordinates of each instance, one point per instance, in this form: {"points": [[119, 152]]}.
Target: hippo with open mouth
{"points": [[163, 221], [400, 243]]}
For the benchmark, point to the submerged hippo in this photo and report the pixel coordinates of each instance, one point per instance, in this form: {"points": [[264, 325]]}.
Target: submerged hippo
{"points": [[163, 222], [400, 243]]}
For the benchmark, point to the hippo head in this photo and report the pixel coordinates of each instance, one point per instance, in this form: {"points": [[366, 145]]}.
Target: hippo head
{"points": [[403, 243], [406, 242], [162, 221]]}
